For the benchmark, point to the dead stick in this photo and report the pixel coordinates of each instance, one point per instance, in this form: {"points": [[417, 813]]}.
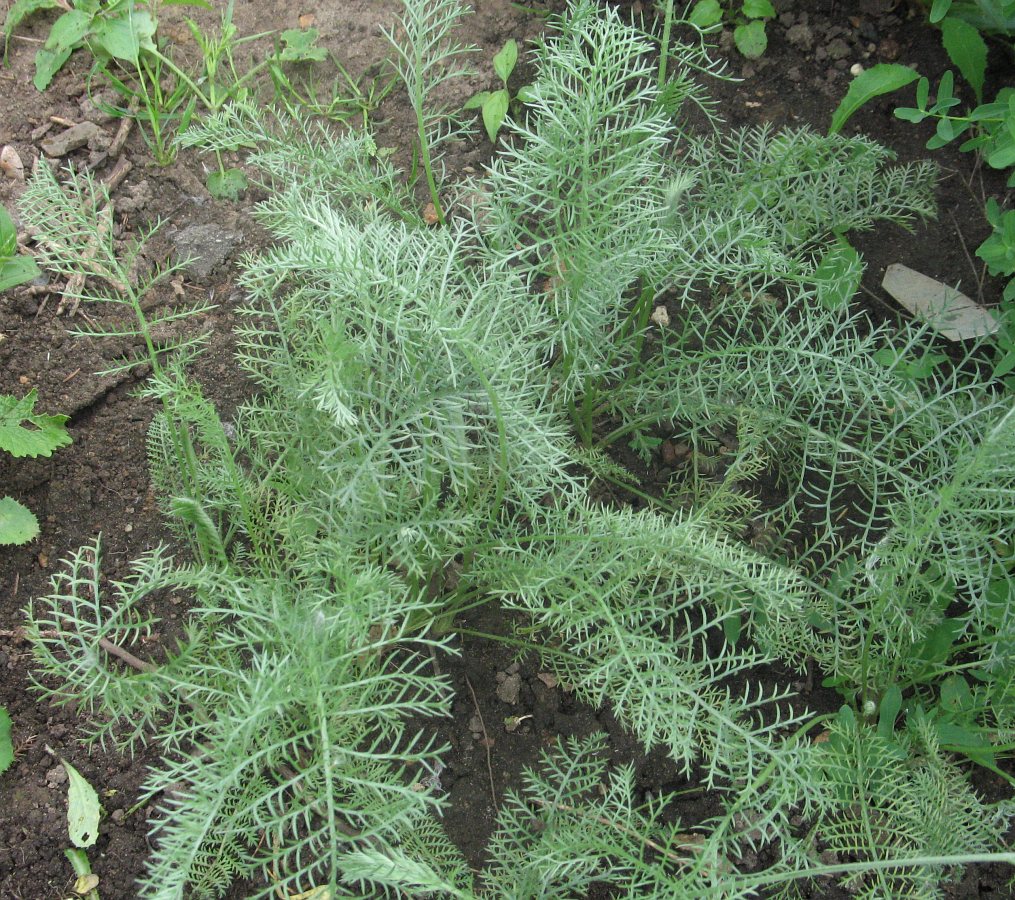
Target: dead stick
{"points": [[125, 655], [486, 741]]}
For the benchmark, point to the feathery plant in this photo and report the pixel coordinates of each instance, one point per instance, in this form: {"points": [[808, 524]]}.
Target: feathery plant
{"points": [[409, 453], [427, 57]]}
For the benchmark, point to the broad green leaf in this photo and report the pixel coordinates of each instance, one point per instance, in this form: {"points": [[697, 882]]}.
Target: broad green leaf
{"points": [[68, 31], [504, 62], [227, 185], [955, 694], [751, 39], [125, 37], [47, 432], [967, 49], [21, 11], [880, 79], [891, 703], [939, 9], [47, 64], [17, 270], [301, 46], [706, 13], [82, 808], [202, 4], [759, 9], [8, 235], [18, 524], [6, 745], [494, 110], [477, 100]]}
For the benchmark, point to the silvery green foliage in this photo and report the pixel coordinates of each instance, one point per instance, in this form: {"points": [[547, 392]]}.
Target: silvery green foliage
{"points": [[428, 57], [922, 471], [409, 418]]}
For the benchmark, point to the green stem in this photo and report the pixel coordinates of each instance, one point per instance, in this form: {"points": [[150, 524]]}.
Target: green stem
{"points": [[664, 47]]}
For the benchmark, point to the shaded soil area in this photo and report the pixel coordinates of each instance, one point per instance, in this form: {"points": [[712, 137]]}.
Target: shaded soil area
{"points": [[100, 484]]}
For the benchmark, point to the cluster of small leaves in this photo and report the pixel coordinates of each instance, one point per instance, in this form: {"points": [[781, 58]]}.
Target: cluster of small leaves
{"points": [[749, 18]]}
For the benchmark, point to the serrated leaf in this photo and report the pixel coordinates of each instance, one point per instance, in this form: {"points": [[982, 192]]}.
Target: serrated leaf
{"points": [[227, 185], [880, 79], [6, 744], [505, 60], [494, 110], [751, 39], [82, 808], [18, 524], [301, 46], [967, 49], [47, 433], [706, 13]]}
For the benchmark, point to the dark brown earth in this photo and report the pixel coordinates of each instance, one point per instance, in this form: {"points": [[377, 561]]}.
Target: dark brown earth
{"points": [[100, 485]]}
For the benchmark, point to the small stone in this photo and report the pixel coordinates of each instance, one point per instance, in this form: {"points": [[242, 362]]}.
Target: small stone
{"points": [[72, 139], [56, 776], [838, 49], [801, 37], [128, 528], [856, 69], [509, 689], [204, 247], [10, 163], [660, 316]]}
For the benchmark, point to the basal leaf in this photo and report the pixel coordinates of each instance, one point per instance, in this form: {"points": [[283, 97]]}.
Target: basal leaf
{"points": [[881, 79], [18, 525], [125, 37], [47, 64]]}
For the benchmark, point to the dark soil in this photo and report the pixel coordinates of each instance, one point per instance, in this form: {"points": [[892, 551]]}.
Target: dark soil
{"points": [[100, 484]]}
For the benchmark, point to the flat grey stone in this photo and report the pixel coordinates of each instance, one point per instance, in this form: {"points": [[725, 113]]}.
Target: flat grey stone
{"points": [[206, 246]]}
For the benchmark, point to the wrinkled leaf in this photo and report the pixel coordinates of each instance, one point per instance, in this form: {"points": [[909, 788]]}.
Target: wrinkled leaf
{"points": [[952, 314], [46, 434], [301, 46], [880, 79], [751, 39], [82, 808]]}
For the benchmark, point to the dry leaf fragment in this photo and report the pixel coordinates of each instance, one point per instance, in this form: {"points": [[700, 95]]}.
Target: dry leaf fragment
{"points": [[10, 163], [660, 316], [306, 20], [548, 678], [430, 214], [86, 883], [952, 314]]}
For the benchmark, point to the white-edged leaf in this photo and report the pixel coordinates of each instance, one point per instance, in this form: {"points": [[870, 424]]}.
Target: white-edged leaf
{"points": [[950, 313]]}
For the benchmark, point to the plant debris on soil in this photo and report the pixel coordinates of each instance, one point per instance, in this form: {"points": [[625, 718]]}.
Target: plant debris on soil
{"points": [[507, 709]]}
